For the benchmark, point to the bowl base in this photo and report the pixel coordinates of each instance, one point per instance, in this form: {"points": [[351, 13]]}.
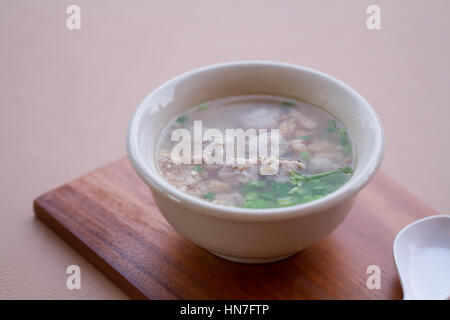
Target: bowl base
{"points": [[251, 260]]}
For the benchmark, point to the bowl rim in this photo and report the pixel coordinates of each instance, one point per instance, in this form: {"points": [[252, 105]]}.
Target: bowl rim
{"points": [[158, 184]]}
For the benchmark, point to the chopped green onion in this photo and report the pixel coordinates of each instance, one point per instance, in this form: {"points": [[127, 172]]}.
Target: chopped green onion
{"points": [[199, 168], [343, 139], [253, 186], [258, 184], [305, 155], [304, 138], [345, 170], [267, 196], [297, 190], [209, 196], [182, 119], [284, 202], [296, 177], [347, 149], [256, 204], [318, 189], [331, 126], [252, 196], [203, 106], [287, 104]]}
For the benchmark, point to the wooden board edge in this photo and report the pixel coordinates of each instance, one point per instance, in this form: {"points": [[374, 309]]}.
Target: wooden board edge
{"points": [[41, 213], [44, 211]]}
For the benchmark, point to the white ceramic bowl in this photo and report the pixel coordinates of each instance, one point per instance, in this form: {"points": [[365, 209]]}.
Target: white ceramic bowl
{"points": [[254, 235]]}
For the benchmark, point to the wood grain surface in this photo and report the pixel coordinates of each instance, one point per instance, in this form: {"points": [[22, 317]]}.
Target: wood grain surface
{"points": [[109, 216]]}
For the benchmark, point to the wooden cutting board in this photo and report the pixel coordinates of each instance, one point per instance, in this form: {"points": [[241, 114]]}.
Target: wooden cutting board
{"points": [[109, 216]]}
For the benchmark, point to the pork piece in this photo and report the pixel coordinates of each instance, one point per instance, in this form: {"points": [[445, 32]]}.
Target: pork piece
{"points": [[204, 174], [287, 128], [327, 156], [286, 166], [320, 164], [303, 132], [297, 145], [217, 186], [235, 174], [322, 146], [302, 119], [180, 175], [283, 146], [261, 118], [269, 166], [327, 149], [217, 145], [289, 165], [229, 199], [207, 157]]}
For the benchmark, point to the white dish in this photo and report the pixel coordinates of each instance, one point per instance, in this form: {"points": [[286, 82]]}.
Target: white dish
{"points": [[422, 256], [254, 235]]}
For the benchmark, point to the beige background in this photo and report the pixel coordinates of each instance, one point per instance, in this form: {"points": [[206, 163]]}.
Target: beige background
{"points": [[66, 96]]}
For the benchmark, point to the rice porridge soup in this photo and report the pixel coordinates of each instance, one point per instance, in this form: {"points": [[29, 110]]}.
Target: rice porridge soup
{"points": [[313, 155]]}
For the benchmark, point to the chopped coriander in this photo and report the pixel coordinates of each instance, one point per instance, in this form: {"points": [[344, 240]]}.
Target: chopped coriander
{"points": [[280, 189], [304, 138], [253, 186], [203, 106], [297, 189], [287, 201], [252, 196], [296, 177], [209, 196], [305, 155], [318, 189], [331, 126], [267, 196], [345, 170], [183, 119], [309, 198], [287, 104], [347, 149], [343, 138], [199, 168], [257, 204], [258, 184]]}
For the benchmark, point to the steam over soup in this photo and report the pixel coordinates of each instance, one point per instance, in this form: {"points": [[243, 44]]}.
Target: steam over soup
{"points": [[310, 155]]}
